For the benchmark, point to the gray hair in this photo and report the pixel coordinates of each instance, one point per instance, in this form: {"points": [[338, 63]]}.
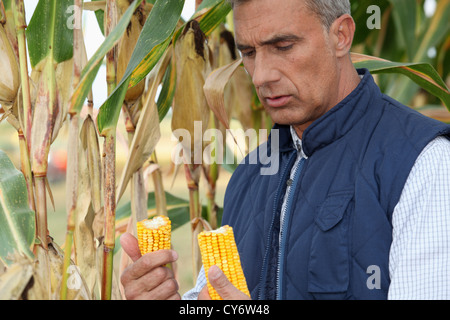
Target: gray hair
{"points": [[327, 10]]}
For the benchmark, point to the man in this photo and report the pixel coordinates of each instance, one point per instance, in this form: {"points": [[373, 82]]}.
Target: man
{"points": [[359, 208]]}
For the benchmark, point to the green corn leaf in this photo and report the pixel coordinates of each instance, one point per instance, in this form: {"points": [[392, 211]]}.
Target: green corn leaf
{"points": [[6, 5], [422, 74], [210, 14], [165, 97], [404, 12], [154, 39], [50, 32], [17, 221], [89, 72], [218, 10], [206, 4], [360, 16], [435, 31], [100, 16]]}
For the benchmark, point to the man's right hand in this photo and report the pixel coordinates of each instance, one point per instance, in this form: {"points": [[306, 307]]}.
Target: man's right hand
{"points": [[223, 286], [147, 278]]}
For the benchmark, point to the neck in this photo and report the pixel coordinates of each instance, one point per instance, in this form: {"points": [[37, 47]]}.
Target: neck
{"points": [[348, 81]]}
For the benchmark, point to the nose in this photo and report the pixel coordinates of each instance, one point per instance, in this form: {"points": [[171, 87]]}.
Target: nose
{"points": [[264, 70]]}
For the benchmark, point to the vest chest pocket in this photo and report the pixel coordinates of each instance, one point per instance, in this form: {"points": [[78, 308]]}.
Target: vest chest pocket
{"points": [[328, 268]]}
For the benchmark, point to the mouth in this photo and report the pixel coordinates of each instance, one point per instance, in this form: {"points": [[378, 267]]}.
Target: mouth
{"points": [[277, 101]]}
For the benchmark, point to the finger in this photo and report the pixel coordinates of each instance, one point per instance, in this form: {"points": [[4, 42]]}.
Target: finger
{"points": [[204, 294], [166, 290], [130, 245], [157, 284], [223, 286], [155, 278], [152, 260]]}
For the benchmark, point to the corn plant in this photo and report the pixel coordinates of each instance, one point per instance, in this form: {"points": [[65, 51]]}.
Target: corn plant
{"points": [[147, 46], [407, 35]]}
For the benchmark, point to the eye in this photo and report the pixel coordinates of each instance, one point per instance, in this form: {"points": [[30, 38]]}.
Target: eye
{"points": [[284, 48], [247, 53]]}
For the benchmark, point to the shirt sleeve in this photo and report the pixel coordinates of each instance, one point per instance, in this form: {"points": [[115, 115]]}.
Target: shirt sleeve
{"points": [[420, 250], [194, 292]]}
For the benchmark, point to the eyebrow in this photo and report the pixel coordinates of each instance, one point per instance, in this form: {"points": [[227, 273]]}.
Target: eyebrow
{"points": [[274, 40]]}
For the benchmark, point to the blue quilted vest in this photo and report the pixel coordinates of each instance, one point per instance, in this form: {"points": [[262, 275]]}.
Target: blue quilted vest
{"points": [[337, 230]]}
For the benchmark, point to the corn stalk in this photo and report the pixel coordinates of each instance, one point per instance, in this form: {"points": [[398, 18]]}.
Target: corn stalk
{"points": [[109, 163], [72, 176]]}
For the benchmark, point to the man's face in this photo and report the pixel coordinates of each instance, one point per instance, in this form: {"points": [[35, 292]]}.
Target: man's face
{"points": [[290, 57]]}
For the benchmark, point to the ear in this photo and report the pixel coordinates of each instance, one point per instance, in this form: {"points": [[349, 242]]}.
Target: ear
{"points": [[343, 31]]}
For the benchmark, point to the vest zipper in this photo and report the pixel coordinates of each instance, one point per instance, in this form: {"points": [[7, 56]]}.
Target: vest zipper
{"points": [[284, 223], [263, 276]]}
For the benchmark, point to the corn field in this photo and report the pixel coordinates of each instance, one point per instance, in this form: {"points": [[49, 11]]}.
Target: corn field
{"points": [[159, 67]]}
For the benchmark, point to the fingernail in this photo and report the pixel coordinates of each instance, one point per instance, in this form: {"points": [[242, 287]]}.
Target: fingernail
{"points": [[214, 272]]}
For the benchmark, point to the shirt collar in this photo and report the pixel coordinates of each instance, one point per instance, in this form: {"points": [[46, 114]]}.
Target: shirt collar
{"points": [[297, 143]]}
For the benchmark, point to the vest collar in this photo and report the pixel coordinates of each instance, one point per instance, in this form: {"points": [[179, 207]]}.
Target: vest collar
{"points": [[341, 118]]}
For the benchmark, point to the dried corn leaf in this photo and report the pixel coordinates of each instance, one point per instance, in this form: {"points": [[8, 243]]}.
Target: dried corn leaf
{"points": [[12, 112], [91, 147], [14, 281], [238, 93], [222, 45], [84, 241], [240, 98], [214, 89], [77, 289], [64, 82]]}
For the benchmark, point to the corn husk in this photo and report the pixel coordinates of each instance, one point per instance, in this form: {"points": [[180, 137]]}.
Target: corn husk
{"points": [[126, 47], [9, 25], [192, 60], [10, 77]]}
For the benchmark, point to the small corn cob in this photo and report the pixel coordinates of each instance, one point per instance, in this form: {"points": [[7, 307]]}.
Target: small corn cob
{"points": [[218, 247], [154, 234]]}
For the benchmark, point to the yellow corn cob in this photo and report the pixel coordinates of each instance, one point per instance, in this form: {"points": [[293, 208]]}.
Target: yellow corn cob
{"points": [[218, 247], [154, 234]]}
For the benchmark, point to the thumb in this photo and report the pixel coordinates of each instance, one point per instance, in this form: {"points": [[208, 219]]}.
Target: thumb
{"points": [[223, 286], [130, 245]]}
